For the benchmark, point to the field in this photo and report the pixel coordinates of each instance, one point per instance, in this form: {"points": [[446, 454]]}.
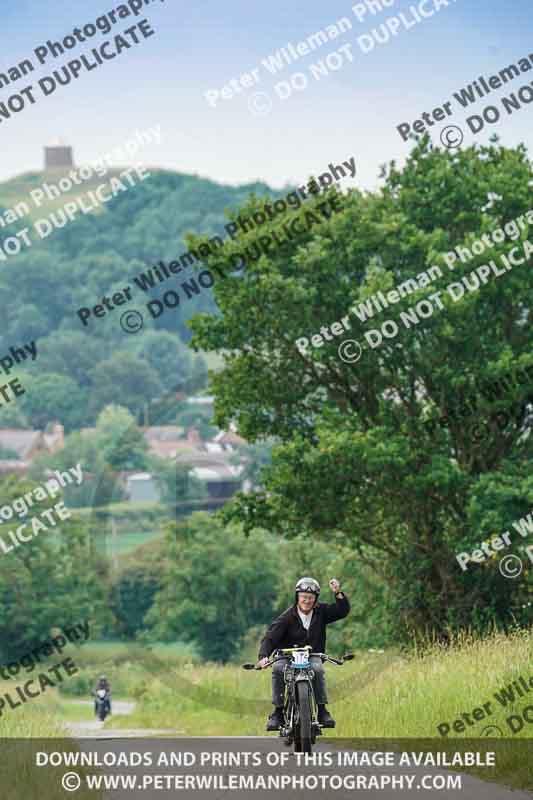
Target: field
{"points": [[42, 720], [381, 695], [378, 695], [124, 543]]}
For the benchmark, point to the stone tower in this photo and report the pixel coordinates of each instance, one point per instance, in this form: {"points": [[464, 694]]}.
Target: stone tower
{"points": [[58, 157]]}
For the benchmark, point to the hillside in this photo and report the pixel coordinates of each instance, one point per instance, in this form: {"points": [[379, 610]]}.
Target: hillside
{"points": [[108, 246], [96, 255]]}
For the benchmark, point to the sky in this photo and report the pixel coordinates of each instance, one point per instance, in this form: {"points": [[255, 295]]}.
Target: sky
{"points": [[354, 110]]}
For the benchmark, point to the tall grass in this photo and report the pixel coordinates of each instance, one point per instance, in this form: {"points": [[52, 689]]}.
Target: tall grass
{"points": [[24, 731]]}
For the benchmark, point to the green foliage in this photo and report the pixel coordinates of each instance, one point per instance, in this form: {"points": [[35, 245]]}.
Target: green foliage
{"points": [[199, 375], [49, 582], [256, 457], [50, 397], [132, 596], [70, 353], [198, 418], [213, 607], [95, 256], [121, 442], [125, 379], [355, 461], [12, 417], [169, 358], [9, 455]]}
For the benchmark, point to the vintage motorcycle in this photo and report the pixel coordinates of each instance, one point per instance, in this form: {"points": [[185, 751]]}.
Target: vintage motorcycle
{"points": [[300, 725]]}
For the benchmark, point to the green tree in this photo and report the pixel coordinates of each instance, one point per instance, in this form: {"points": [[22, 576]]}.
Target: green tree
{"points": [[52, 581], [167, 355], [50, 397], [12, 417], [356, 461], [71, 353], [122, 443], [198, 417], [255, 458], [132, 596], [213, 607], [124, 379], [199, 376]]}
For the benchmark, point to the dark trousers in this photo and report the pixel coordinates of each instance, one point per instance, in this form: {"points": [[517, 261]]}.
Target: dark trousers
{"points": [[319, 681], [108, 705]]}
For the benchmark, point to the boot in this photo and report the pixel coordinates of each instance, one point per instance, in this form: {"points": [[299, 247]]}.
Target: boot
{"points": [[325, 718], [275, 720]]}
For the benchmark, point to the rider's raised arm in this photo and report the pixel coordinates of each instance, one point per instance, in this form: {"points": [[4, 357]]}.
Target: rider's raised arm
{"points": [[337, 610], [273, 638]]}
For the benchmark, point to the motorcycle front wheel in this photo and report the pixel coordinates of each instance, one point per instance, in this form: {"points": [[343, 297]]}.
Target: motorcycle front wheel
{"points": [[303, 739]]}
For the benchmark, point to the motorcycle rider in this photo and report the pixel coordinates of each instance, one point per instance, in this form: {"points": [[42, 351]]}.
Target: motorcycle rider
{"points": [[103, 683], [304, 623]]}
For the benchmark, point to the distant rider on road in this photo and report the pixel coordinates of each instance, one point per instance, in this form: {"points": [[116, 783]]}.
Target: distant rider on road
{"points": [[103, 683]]}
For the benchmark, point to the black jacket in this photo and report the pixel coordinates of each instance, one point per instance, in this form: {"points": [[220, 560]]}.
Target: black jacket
{"points": [[287, 630]]}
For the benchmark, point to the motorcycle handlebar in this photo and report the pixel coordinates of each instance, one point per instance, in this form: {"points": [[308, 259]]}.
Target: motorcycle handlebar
{"points": [[323, 656]]}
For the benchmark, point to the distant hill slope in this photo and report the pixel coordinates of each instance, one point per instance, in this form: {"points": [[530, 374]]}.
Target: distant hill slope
{"points": [[103, 250], [18, 189], [97, 254]]}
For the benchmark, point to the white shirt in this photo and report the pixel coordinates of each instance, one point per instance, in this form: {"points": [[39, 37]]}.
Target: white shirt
{"points": [[306, 618]]}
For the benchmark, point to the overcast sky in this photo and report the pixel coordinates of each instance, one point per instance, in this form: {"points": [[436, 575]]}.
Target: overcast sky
{"points": [[202, 45]]}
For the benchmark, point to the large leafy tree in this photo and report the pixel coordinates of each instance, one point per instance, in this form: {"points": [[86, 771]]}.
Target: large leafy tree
{"points": [[125, 379], [356, 461], [168, 356], [122, 443], [213, 608], [50, 397]]}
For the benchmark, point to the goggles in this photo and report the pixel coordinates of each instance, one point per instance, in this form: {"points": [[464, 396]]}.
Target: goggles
{"points": [[307, 588]]}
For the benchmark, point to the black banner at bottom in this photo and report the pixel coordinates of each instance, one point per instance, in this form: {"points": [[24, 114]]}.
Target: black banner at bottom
{"points": [[257, 767]]}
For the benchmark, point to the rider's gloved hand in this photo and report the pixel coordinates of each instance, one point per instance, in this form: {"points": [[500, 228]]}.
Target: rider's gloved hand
{"points": [[262, 662]]}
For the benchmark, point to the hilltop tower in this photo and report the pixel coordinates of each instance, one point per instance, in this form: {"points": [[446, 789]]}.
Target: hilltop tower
{"points": [[58, 156]]}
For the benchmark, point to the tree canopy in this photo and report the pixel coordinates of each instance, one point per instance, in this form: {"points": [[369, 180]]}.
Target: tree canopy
{"points": [[355, 461]]}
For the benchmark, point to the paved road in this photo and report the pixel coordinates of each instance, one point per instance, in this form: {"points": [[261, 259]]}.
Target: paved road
{"points": [[97, 730], [93, 737], [471, 788]]}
